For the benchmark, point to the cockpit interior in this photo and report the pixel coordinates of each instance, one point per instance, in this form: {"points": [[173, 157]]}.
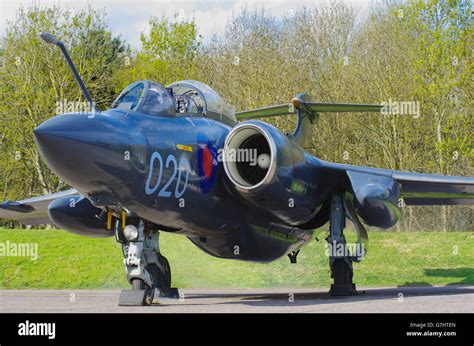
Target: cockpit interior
{"points": [[186, 97]]}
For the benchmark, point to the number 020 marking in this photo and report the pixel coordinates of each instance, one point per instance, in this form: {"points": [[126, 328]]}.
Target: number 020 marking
{"points": [[177, 169]]}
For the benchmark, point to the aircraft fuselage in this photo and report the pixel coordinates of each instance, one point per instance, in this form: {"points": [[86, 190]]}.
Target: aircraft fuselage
{"points": [[166, 170]]}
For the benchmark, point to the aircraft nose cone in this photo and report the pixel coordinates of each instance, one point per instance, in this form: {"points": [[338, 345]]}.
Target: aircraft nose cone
{"points": [[78, 147], [55, 131]]}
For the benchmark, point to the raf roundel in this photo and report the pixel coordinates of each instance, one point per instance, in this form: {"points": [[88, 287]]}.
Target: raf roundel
{"points": [[207, 164]]}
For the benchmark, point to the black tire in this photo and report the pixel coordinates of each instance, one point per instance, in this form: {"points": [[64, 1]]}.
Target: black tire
{"points": [[139, 285], [166, 275], [161, 275], [341, 272], [156, 274]]}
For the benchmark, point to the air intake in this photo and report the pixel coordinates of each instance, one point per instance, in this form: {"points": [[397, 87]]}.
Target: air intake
{"points": [[249, 156]]}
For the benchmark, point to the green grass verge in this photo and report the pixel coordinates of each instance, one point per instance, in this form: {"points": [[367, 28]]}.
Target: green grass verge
{"points": [[71, 261]]}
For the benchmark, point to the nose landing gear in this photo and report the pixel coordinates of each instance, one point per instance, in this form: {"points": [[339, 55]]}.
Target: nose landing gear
{"points": [[147, 270]]}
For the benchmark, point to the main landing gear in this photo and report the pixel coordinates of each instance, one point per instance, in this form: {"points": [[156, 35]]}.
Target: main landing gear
{"points": [[340, 256], [147, 270]]}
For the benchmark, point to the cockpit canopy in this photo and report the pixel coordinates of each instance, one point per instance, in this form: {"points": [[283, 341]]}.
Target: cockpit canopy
{"points": [[186, 97]]}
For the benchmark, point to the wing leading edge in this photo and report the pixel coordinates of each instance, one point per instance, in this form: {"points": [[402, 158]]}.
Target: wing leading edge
{"points": [[32, 211]]}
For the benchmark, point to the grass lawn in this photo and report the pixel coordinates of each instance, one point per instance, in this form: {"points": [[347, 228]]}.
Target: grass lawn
{"points": [[71, 261]]}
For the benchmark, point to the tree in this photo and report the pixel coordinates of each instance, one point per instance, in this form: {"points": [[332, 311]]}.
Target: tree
{"points": [[168, 54], [36, 79]]}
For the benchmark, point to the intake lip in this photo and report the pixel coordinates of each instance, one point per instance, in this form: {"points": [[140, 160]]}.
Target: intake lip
{"points": [[234, 141]]}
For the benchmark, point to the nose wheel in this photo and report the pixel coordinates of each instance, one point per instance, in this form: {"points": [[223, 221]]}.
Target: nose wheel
{"points": [[144, 292], [161, 274], [146, 268]]}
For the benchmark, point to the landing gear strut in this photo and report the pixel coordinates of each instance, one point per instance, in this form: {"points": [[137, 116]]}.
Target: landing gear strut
{"points": [[147, 270], [340, 259]]}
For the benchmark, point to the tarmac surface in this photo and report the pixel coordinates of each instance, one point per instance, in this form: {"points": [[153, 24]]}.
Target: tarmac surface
{"points": [[408, 299]]}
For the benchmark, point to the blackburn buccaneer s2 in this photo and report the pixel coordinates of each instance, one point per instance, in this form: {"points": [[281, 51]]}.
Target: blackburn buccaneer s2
{"points": [[178, 159]]}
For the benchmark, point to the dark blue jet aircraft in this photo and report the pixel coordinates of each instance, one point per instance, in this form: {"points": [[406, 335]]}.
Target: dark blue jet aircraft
{"points": [[177, 159]]}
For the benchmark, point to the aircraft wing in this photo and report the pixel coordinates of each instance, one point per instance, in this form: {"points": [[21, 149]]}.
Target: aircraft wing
{"points": [[415, 188], [32, 211], [316, 107], [433, 189]]}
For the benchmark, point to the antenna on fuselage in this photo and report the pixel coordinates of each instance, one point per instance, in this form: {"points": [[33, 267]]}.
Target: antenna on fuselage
{"points": [[50, 39]]}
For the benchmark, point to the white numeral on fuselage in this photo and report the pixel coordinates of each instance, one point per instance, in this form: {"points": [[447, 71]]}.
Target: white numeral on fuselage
{"points": [[177, 170]]}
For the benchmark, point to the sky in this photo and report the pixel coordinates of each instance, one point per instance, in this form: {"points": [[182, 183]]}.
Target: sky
{"points": [[129, 18]]}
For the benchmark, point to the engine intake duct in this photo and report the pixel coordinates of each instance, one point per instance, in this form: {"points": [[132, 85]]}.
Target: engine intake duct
{"points": [[271, 171], [249, 157]]}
